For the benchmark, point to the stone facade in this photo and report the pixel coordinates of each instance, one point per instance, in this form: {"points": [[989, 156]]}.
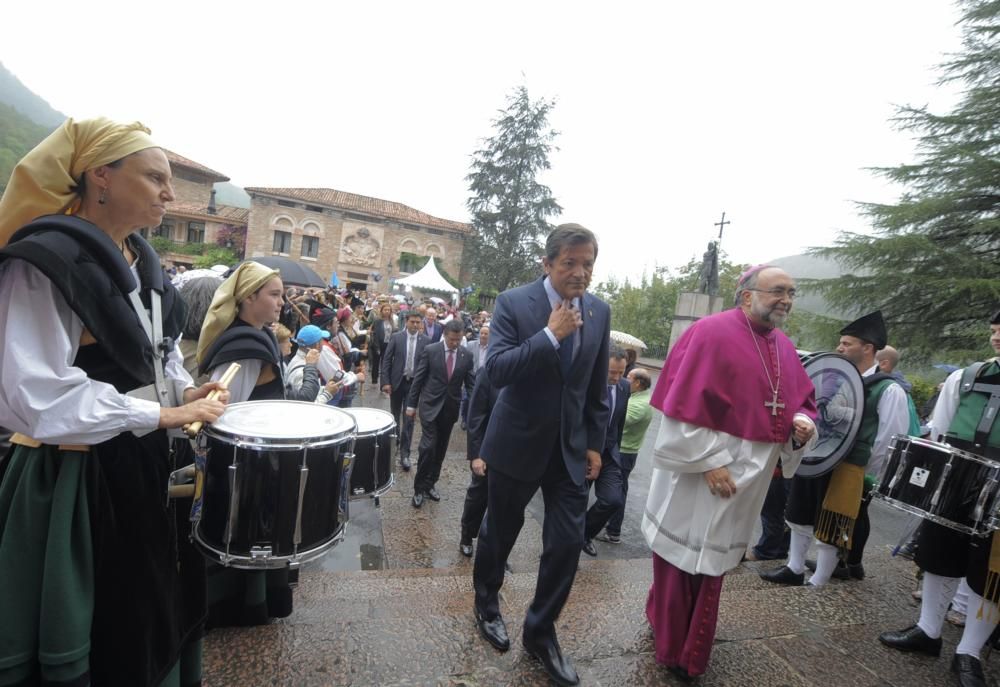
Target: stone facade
{"points": [[357, 237], [354, 244]]}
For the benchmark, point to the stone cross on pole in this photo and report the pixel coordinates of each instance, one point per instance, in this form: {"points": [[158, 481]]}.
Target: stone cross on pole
{"points": [[721, 224]]}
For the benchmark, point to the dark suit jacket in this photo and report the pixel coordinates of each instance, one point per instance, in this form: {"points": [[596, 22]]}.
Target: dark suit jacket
{"points": [[484, 397], [613, 439], [377, 331], [434, 331], [431, 386], [537, 407], [394, 358]]}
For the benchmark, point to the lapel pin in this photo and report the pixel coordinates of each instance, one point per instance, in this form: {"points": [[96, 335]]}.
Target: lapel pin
{"points": [[590, 313]]}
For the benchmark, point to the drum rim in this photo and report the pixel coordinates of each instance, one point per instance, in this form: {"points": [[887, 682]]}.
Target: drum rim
{"points": [[245, 440], [241, 562], [809, 470], [370, 411], [930, 443]]}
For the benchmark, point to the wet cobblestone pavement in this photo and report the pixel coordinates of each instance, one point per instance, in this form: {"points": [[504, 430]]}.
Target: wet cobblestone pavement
{"points": [[392, 605]]}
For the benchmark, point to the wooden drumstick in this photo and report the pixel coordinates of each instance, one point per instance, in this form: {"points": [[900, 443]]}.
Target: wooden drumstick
{"points": [[195, 427]]}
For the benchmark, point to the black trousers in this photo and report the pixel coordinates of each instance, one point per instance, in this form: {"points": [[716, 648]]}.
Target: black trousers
{"points": [[862, 528], [614, 525], [475, 507], [562, 540], [610, 497], [946, 552], [434, 437], [374, 361], [397, 401], [775, 535]]}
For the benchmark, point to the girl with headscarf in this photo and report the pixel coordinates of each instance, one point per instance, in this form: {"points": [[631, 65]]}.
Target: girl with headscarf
{"points": [[97, 586], [236, 330]]}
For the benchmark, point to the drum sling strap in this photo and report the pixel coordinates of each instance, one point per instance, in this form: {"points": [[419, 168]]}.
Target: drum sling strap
{"points": [[971, 382]]}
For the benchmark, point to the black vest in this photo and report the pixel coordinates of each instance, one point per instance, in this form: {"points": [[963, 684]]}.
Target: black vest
{"points": [[90, 272], [242, 341]]}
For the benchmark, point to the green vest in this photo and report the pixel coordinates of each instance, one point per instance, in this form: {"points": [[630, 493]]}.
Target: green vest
{"points": [[875, 385], [971, 405]]}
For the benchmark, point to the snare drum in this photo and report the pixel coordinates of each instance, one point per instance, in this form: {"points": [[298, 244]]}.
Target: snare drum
{"points": [[273, 475], [371, 473], [943, 484]]}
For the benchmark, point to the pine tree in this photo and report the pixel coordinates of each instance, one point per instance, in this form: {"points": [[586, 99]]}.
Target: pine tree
{"points": [[509, 206], [933, 262]]}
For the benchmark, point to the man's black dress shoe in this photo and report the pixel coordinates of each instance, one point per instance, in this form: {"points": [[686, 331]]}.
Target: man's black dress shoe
{"points": [[404, 462], [466, 549], [433, 494], [418, 500], [556, 665], [588, 548], [783, 575], [912, 639], [969, 670], [494, 631]]}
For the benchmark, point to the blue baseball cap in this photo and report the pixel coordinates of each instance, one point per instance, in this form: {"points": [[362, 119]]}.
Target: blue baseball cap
{"points": [[310, 334]]}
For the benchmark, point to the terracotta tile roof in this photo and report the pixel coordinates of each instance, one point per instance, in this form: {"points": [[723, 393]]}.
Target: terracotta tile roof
{"points": [[375, 207], [182, 161], [226, 214]]}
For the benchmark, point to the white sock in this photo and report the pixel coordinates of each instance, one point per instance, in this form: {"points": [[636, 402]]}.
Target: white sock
{"points": [[938, 593], [961, 601], [826, 562], [980, 620], [797, 549]]}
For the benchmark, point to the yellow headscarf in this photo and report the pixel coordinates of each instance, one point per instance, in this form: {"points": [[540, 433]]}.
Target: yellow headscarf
{"points": [[45, 181], [246, 280]]}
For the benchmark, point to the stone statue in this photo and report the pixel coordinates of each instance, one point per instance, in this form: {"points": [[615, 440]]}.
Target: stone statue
{"points": [[708, 276]]}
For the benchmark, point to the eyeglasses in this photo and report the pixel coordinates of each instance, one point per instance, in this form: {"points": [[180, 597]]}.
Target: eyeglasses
{"points": [[777, 293]]}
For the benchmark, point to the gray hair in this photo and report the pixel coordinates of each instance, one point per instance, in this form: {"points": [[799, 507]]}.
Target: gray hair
{"points": [[617, 353], [568, 235], [197, 294]]}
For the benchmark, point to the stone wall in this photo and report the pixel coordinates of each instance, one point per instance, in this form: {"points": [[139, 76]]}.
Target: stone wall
{"points": [[347, 243], [187, 191]]}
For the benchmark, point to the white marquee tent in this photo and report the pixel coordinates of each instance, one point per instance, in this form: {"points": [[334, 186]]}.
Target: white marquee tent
{"points": [[427, 278]]}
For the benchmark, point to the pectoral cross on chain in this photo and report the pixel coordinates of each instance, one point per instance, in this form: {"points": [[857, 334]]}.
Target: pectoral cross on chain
{"points": [[773, 404]]}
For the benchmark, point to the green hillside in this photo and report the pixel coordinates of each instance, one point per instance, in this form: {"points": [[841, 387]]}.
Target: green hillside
{"points": [[18, 135], [25, 101]]}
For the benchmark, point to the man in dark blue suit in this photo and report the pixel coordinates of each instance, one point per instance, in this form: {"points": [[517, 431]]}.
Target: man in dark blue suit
{"points": [[548, 355], [608, 487]]}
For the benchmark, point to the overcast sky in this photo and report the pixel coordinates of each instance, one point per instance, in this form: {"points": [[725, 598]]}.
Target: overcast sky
{"points": [[670, 113]]}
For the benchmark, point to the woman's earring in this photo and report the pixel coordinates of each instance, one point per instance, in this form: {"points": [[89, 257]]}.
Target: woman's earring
{"points": [[102, 200]]}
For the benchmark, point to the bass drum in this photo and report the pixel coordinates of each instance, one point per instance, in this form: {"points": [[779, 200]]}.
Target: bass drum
{"points": [[840, 402]]}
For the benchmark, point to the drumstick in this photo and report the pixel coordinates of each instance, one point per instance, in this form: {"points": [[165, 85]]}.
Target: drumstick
{"points": [[227, 377]]}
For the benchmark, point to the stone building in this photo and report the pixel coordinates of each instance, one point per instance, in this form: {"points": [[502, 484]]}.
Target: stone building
{"points": [[364, 240], [193, 220]]}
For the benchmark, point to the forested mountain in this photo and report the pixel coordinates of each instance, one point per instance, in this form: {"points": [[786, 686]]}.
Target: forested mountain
{"points": [[22, 99], [18, 135]]}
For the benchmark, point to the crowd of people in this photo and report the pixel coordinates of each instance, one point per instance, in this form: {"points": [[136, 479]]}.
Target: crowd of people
{"points": [[103, 360]]}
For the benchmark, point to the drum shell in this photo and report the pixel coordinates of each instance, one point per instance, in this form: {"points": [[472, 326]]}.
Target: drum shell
{"points": [[267, 509], [372, 471], [918, 471]]}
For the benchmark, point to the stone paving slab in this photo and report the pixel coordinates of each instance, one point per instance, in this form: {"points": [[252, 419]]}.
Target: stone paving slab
{"points": [[393, 606]]}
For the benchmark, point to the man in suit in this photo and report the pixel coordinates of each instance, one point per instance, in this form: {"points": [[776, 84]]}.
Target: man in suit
{"points": [[477, 347], [432, 328], [444, 369], [608, 487], [399, 365], [548, 355], [481, 401]]}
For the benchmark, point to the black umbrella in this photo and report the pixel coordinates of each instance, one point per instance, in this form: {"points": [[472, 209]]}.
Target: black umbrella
{"points": [[292, 272]]}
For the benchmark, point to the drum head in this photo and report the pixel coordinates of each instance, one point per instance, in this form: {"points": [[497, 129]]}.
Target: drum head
{"points": [[371, 420], [840, 398], [282, 423]]}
